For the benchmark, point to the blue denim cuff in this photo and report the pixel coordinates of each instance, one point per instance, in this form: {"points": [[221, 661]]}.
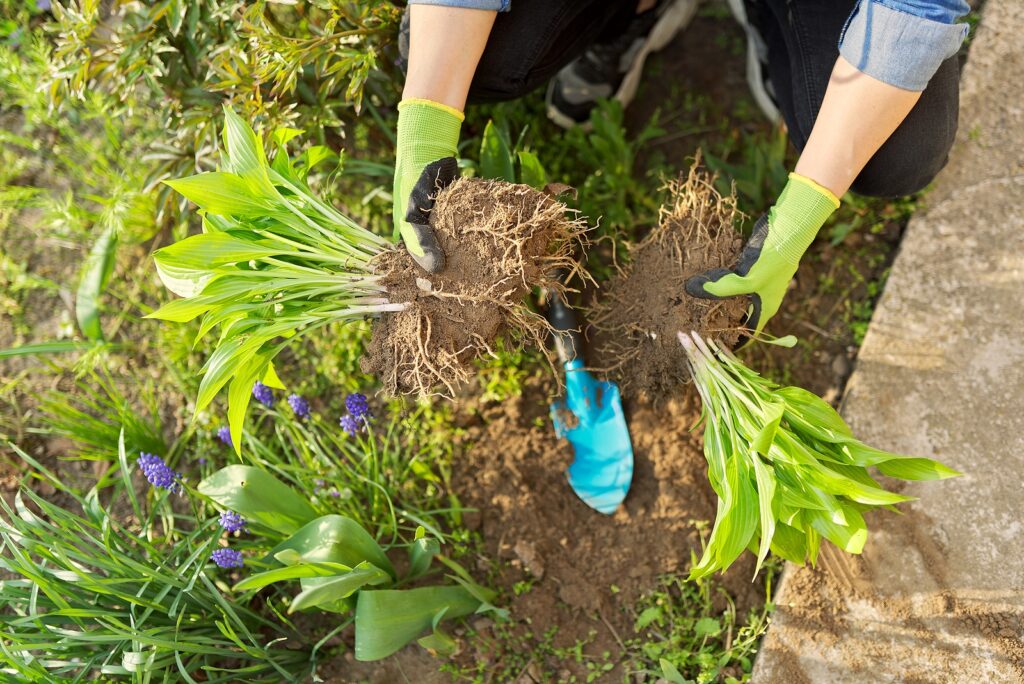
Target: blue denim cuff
{"points": [[901, 49], [492, 5]]}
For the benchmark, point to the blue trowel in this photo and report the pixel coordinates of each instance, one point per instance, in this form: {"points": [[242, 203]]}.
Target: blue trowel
{"points": [[591, 418]]}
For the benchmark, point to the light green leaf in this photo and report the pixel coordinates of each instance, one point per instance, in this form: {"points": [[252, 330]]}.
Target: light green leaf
{"points": [[421, 553], [93, 281], [270, 378], [670, 673], [205, 252], [299, 570], [707, 626], [531, 172], [496, 160], [336, 539], [386, 620], [223, 193], [771, 418], [909, 468], [181, 310], [438, 642], [765, 497], [812, 414], [329, 591], [245, 154], [240, 395], [259, 497], [789, 543], [284, 135], [849, 537], [313, 157]]}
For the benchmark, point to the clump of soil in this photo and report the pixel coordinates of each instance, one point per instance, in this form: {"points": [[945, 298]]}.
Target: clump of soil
{"points": [[634, 325], [500, 241]]}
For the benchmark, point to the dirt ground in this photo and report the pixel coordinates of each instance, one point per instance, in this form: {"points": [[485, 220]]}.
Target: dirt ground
{"points": [[512, 467]]}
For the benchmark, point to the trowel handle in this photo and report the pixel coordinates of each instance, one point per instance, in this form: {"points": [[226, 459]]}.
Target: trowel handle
{"points": [[568, 342]]}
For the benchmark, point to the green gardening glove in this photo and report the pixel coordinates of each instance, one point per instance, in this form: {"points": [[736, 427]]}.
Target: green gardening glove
{"points": [[428, 136], [771, 256]]}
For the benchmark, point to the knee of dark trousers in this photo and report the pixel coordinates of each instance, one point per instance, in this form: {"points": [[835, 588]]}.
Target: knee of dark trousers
{"points": [[915, 153], [900, 171]]}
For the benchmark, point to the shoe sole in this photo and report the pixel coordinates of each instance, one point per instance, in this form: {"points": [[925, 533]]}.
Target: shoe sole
{"points": [[675, 19]]}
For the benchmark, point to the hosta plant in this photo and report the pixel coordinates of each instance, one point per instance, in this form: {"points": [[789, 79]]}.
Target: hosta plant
{"points": [[786, 467], [273, 263], [342, 569]]}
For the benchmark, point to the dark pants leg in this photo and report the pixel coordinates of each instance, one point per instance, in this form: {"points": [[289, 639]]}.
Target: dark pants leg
{"points": [[533, 41], [802, 38]]}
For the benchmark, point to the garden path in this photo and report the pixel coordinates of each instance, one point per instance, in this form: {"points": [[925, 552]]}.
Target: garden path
{"points": [[938, 595]]}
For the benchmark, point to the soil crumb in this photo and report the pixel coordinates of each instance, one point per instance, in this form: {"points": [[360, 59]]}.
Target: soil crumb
{"points": [[500, 240], [634, 325]]}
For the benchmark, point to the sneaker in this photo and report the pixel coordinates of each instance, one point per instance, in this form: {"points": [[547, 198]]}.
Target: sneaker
{"points": [[613, 69], [757, 64]]}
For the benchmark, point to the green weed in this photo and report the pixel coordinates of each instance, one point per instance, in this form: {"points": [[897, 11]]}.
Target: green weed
{"points": [[692, 632]]}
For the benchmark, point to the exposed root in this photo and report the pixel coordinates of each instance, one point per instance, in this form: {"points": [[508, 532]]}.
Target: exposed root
{"points": [[501, 240], [634, 325]]}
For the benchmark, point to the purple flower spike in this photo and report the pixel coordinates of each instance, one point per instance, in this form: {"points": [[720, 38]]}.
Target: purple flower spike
{"points": [[299, 405], [349, 424], [224, 435], [227, 558], [232, 522], [263, 394], [158, 473], [358, 406]]}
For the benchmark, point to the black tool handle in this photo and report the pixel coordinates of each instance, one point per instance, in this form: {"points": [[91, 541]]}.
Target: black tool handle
{"points": [[568, 341]]}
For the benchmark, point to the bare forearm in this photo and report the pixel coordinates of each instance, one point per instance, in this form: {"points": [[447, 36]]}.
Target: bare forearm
{"points": [[858, 115], [445, 45]]}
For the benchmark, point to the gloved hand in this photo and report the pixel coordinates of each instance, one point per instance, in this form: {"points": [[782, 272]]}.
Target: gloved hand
{"points": [[428, 136], [771, 256]]}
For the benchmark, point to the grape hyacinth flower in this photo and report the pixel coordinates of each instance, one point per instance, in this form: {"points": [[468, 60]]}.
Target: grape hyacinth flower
{"points": [[263, 394], [232, 522], [349, 424], [358, 406], [224, 435], [158, 473], [227, 558], [299, 405]]}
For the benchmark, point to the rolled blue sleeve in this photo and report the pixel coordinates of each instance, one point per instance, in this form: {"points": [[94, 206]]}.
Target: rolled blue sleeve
{"points": [[903, 42], [492, 5]]}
